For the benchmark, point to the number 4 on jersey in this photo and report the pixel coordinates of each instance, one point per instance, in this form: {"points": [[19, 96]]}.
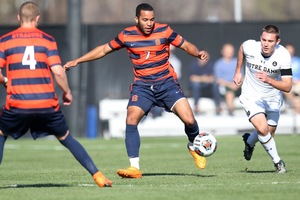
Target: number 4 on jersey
{"points": [[28, 57]]}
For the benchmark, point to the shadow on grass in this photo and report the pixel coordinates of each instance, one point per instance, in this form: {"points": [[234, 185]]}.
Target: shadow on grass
{"points": [[41, 185], [258, 172], [176, 174]]}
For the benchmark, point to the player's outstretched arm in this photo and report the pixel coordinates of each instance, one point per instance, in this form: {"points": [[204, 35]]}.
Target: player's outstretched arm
{"points": [[94, 54], [237, 78], [194, 51]]}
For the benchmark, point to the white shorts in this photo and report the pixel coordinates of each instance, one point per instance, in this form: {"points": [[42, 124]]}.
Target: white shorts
{"points": [[270, 106]]}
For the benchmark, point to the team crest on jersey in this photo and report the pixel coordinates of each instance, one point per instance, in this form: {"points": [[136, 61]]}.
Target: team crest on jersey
{"points": [[134, 98], [274, 63], [157, 41]]}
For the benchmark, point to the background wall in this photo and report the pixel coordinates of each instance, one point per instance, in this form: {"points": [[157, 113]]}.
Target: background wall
{"points": [[171, 11]]}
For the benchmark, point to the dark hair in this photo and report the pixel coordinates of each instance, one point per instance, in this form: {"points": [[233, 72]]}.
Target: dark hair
{"points": [[272, 29], [143, 6]]}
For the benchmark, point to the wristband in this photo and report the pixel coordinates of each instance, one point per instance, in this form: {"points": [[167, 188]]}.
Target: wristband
{"points": [[5, 80]]}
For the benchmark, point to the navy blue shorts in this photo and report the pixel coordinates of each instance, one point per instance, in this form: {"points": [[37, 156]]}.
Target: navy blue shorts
{"points": [[39, 124], [164, 95]]}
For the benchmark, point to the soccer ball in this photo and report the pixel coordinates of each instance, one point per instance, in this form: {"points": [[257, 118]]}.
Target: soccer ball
{"points": [[205, 144]]}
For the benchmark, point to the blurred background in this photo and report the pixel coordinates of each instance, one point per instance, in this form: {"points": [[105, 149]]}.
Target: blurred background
{"points": [[81, 25]]}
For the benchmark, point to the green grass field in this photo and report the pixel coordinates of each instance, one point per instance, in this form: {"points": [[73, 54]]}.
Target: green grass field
{"points": [[44, 169]]}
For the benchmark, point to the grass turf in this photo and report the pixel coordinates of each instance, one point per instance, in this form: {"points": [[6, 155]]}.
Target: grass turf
{"points": [[44, 169]]}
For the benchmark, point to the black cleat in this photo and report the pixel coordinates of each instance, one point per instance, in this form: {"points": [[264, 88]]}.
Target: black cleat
{"points": [[280, 167], [248, 149]]}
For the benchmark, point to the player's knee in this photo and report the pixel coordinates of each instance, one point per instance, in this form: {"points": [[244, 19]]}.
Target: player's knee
{"points": [[133, 120], [1, 133], [134, 115], [63, 137], [262, 130]]}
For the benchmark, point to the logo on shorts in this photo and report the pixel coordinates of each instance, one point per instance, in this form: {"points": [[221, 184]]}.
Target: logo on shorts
{"points": [[248, 113], [134, 98], [178, 91]]}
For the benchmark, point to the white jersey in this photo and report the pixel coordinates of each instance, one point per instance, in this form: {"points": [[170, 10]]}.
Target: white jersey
{"points": [[254, 61]]}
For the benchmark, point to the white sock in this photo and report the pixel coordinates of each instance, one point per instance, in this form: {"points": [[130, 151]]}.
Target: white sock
{"points": [[191, 146], [135, 162], [253, 138], [269, 144]]}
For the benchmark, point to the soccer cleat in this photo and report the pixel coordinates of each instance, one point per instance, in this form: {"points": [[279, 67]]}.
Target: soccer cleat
{"points": [[130, 172], [200, 161], [101, 180], [248, 151], [280, 167]]}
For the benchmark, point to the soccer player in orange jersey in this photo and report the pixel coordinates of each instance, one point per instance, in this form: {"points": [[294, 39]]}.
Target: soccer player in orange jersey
{"points": [[30, 56], [155, 81]]}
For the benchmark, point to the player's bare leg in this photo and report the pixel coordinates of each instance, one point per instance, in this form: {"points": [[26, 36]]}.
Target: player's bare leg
{"points": [[183, 110]]}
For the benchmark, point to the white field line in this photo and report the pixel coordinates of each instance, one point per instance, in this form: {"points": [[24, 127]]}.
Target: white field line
{"points": [[187, 185]]}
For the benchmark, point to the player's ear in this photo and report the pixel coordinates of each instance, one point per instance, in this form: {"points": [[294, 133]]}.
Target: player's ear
{"points": [[19, 18], [37, 18], [278, 41], [136, 19]]}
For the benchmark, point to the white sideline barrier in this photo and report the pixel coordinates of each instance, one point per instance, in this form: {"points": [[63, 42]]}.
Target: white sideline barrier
{"points": [[113, 111], [112, 108]]}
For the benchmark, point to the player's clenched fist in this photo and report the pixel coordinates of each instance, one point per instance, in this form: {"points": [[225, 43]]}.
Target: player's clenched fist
{"points": [[69, 64], [203, 55]]}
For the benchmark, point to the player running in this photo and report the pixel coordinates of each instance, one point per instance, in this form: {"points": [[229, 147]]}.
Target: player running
{"points": [[267, 73], [155, 81], [30, 55]]}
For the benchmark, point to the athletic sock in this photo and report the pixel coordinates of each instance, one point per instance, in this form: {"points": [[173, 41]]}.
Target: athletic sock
{"points": [[191, 146], [253, 138], [269, 144], [2, 142], [192, 131], [132, 141], [135, 162], [79, 153]]}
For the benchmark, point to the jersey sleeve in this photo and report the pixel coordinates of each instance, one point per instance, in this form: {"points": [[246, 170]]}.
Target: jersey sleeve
{"points": [[2, 56], [247, 45], [286, 60], [174, 38], [286, 68], [118, 42], [52, 54]]}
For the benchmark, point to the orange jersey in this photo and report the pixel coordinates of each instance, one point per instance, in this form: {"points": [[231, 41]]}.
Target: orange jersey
{"points": [[149, 54], [28, 54]]}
